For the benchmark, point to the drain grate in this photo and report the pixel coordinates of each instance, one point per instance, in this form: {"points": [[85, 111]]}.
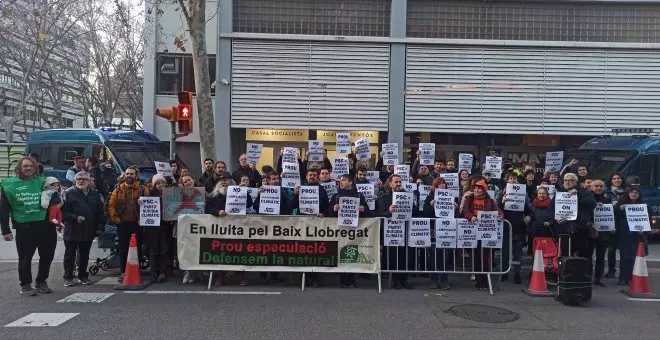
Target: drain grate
{"points": [[483, 313]]}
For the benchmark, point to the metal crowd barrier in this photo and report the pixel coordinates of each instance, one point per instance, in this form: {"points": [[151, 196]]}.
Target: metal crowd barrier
{"points": [[436, 261], [445, 261]]}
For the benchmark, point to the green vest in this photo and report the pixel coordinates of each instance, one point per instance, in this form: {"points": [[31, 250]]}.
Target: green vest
{"points": [[24, 198]]}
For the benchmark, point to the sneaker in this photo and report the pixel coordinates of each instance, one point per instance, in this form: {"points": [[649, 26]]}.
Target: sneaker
{"points": [[445, 286], [121, 278], [186, 278], [86, 281], [472, 278], [611, 274], [27, 290], [599, 283], [68, 283], [161, 278], [42, 287]]}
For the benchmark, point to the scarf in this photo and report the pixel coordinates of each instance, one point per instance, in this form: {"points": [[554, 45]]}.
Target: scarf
{"points": [[542, 204]]}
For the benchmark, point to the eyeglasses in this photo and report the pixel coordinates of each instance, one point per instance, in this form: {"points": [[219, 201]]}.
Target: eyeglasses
{"points": [[569, 180]]}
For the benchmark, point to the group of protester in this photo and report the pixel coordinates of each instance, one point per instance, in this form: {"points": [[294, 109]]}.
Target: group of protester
{"points": [[84, 213]]}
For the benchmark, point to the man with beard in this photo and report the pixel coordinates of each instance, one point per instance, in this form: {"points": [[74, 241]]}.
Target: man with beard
{"points": [[451, 166], [219, 169], [208, 171], [312, 179], [438, 168], [600, 239], [123, 211], [84, 219], [21, 200], [396, 256]]}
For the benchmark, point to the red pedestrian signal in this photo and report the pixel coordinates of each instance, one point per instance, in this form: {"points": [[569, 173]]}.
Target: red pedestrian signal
{"points": [[185, 113]]}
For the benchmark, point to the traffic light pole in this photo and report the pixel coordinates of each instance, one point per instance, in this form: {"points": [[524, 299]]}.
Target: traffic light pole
{"points": [[172, 140]]}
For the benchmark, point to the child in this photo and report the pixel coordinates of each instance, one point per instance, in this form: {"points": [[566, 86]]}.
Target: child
{"points": [[52, 199]]}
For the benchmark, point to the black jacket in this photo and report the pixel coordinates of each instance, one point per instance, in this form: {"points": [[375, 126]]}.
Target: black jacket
{"points": [[539, 217], [99, 181], [383, 203], [253, 175], [204, 177], [350, 193], [323, 200], [285, 203], [585, 216], [214, 204], [90, 207]]}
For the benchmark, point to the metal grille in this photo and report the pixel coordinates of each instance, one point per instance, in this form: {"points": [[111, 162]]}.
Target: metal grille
{"points": [[561, 21], [313, 17]]}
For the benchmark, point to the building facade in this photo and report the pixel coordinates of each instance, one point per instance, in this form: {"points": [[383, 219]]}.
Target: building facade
{"points": [[514, 78]]}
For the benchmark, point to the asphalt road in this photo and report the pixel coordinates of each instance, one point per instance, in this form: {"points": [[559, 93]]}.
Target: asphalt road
{"points": [[283, 311]]}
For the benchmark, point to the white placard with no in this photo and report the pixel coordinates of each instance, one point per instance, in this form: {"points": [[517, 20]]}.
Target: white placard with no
{"points": [[494, 165], [254, 152], [390, 154], [236, 200], [516, 197], [466, 233], [426, 153], [465, 161], [453, 184], [445, 233], [163, 168]]}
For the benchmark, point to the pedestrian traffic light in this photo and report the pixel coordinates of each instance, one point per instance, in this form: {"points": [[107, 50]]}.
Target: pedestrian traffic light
{"points": [[185, 113]]}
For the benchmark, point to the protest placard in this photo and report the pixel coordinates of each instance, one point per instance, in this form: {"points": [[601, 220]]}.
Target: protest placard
{"points": [[444, 203], [349, 212], [150, 211], [308, 200], [254, 152], [390, 154], [465, 161], [178, 201], [267, 244], [426, 153], [424, 190], [164, 169], [453, 184], [516, 197], [403, 170], [604, 218], [316, 152], [494, 165], [566, 206], [466, 233], [552, 190], [496, 238], [419, 233], [290, 179], [269, 200], [373, 176], [339, 167], [362, 149], [343, 144], [236, 200], [394, 233], [369, 193], [403, 202], [445, 233], [638, 217], [330, 188], [553, 161]]}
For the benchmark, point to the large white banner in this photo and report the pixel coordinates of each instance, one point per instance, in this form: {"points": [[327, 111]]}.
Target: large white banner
{"points": [[277, 244]]}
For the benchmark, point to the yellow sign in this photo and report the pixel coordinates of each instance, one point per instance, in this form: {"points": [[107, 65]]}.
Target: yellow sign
{"points": [[277, 135], [331, 136]]}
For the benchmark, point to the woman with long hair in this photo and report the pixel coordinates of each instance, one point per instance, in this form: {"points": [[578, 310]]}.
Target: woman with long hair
{"points": [[614, 192]]}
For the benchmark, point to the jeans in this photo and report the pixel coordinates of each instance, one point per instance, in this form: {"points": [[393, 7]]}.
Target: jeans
{"points": [[71, 260], [33, 236]]}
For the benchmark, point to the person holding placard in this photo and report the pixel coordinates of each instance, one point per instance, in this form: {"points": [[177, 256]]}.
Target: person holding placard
{"points": [[519, 221], [312, 179], [602, 239], [543, 215], [480, 201], [218, 169], [246, 169], [616, 190], [445, 257], [429, 202], [384, 172], [578, 228], [396, 256], [628, 240], [215, 205], [158, 238], [493, 185]]}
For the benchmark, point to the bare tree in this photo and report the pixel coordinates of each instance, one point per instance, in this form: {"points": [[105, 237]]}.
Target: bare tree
{"points": [[194, 13], [37, 34]]}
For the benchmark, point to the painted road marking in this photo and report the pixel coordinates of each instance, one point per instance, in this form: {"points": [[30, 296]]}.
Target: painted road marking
{"points": [[86, 298], [645, 300], [201, 292], [42, 320], [110, 281]]}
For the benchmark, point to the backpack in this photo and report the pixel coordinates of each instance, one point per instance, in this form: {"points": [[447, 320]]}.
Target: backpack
{"points": [[106, 203]]}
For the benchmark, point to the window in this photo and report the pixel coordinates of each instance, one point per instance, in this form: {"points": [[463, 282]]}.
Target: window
{"points": [[65, 154], [538, 21], [176, 73], [646, 167], [45, 153], [68, 122]]}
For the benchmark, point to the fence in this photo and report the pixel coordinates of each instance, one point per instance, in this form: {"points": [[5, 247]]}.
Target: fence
{"points": [[239, 243], [10, 153]]}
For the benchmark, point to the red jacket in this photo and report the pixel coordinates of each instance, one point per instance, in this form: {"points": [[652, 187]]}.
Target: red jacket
{"points": [[490, 205]]}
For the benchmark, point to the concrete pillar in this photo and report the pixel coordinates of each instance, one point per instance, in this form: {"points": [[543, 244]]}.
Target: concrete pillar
{"points": [[396, 123], [224, 144]]}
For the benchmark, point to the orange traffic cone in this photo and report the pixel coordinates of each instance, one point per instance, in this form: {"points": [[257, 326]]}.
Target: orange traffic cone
{"points": [[640, 286], [537, 284], [132, 279]]}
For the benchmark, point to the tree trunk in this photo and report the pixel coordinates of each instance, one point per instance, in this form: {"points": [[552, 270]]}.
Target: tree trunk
{"points": [[197, 26]]}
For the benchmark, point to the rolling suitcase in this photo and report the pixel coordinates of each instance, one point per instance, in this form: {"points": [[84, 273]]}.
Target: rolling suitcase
{"points": [[574, 279]]}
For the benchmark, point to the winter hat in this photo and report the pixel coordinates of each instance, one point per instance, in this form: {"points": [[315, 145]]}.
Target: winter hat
{"points": [[157, 178], [50, 180], [482, 184]]}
